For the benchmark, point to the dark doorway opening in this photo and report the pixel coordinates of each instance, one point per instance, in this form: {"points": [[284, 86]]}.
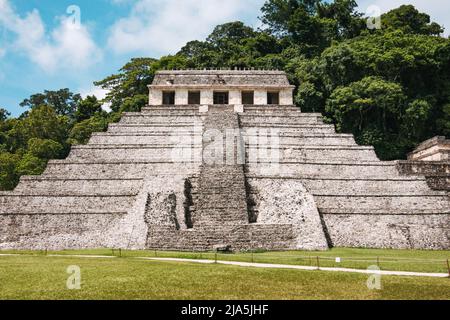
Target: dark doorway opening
{"points": [[168, 98], [248, 97], [273, 98], [221, 98], [194, 97]]}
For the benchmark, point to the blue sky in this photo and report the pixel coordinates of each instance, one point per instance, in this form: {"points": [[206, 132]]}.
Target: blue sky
{"points": [[43, 45]]}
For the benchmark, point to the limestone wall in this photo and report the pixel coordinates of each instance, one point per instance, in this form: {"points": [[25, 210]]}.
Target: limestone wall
{"points": [[437, 172], [362, 202], [117, 170], [70, 225], [327, 169], [183, 153], [288, 202], [389, 231], [435, 149]]}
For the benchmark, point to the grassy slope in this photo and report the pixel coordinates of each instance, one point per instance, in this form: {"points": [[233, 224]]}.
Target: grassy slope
{"points": [[42, 277], [403, 260]]}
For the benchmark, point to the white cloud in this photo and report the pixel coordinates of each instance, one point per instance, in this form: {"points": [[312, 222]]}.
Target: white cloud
{"points": [[67, 47], [162, 26], [99, 93], [2, 52], [94, 91], [439, 10]]}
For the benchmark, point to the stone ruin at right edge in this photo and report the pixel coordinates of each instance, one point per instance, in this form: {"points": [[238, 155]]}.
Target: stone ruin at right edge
{"points": [[292, 182]]}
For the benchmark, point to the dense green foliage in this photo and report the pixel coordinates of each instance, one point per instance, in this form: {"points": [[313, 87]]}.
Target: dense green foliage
{"points": [[389, 87], [44, 133]]}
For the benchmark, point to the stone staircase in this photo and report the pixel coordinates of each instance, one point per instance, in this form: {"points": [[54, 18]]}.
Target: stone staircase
{"points": [[217, 206]]}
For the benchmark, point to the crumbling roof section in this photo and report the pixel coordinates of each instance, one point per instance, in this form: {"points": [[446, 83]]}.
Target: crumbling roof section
{"points": [[261, 78]]}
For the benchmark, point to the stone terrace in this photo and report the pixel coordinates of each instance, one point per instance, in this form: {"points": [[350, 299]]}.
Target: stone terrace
{"points": [[145, 183]]}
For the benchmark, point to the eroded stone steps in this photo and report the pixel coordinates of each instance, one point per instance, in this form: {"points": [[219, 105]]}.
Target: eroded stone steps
{"points": [[243, 237], [164, 114], [30, 204], [178, 129], [354, 186], [64, 169], [293, 122], [133, 121], [265, 144], [139, 153], [169, 120], [388, 211], [174, 113], [146, 142], [157, 146], [67, 212], [219, 192], [157, 123], [140, 118], [263, 139], [143, 138], [324, 169], [396, 204], [421, 168], [152, 134], [286, 141], [284, 125], [292, 128], [310, 153], [220, 196], [146, 130], [439, 182], [40, 185], [156, 128], [249, 121]]}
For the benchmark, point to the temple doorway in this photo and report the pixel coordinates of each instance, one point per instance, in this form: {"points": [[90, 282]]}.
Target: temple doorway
{"points": [[273, 98], [168, 98], [221, 97]]}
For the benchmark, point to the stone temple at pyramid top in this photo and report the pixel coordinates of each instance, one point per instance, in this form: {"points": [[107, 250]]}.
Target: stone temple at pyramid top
{"points": [[221, 87]]}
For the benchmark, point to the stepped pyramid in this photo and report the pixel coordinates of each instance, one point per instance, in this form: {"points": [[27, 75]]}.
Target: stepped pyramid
{"points": [[223, 158]]}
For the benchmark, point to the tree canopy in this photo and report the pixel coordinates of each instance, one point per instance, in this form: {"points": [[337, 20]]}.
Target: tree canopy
{"points": [[62, 101], [4, 114], [409, 20]]}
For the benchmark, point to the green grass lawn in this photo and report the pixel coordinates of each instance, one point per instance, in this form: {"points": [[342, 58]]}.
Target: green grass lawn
{"points": [[403, 260], [41, 277]]}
